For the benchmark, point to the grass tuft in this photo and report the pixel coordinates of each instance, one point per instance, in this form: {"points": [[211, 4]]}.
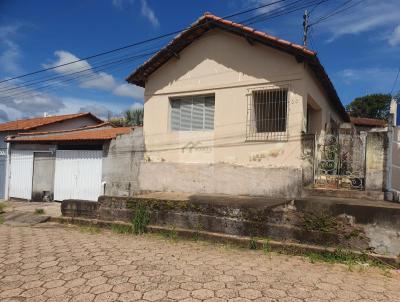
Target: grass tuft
{"points": [[121, 229], [141, 219], [2, 207], [39, 211], [90, 229]]}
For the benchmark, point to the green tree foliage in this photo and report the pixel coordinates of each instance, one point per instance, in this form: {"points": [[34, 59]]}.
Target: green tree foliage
{"points": [[131, 118], [370, 106]]}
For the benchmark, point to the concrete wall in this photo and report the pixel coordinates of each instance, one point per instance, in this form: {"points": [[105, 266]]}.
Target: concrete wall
{"points": [[227, 66], [376, 161], [221, 178], [121, 163]]}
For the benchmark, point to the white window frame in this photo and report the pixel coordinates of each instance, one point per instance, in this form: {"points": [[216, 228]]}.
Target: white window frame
{"points": [[192, 97]]}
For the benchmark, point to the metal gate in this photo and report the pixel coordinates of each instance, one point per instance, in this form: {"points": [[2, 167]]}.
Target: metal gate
{"points": [[21, 174], [78, 174], [340, 160]]}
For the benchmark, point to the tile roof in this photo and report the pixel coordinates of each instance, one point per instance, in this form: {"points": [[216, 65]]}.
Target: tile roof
{"points": [[29, 124], [208, 22], [369, 122], [77, 135]]}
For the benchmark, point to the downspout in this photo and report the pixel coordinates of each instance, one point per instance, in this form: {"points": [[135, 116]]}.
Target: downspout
{"points": [[8, 171]]}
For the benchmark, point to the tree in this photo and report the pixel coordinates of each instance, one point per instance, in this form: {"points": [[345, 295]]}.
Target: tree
{"points": [[370, 106], [131, 118]]}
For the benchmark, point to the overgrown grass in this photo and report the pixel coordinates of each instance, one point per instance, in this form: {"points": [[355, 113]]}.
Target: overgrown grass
{"points": [[39, 211], [121, 229], [140, 219], [344, 257], [252, 244], [90, 229], [2, 207], [322, 222], [171, 234]]}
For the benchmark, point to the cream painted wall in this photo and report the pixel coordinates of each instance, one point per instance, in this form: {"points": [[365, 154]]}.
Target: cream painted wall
{"points": [[228, 66]]}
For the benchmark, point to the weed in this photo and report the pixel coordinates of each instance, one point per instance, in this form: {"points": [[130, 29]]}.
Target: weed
{"points": [[1, 219], [266, 247], [121, 229], [323, 222], [345, 257], [252, 244], [140, 219], [39, 211], [2, 206], [90, 229]]}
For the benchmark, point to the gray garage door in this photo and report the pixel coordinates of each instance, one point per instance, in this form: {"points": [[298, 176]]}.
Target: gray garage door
{"points": [[3, 160]]}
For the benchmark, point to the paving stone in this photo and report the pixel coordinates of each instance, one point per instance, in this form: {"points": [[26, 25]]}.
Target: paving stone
{"points": [[62, 264]]}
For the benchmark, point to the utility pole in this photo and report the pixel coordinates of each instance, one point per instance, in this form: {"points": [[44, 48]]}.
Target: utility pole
{"points": [[306, 27]]}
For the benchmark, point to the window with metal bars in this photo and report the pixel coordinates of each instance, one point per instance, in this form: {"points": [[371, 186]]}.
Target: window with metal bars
{"points": [[267, 114], [192, 113]]}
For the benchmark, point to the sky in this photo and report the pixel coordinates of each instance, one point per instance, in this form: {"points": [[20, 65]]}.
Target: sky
{"points": [[359, 47]]}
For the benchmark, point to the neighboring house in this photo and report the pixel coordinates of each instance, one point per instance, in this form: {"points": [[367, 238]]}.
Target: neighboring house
{"points": [[227, 110], [48, 123], [63, 164], [368, 124]]}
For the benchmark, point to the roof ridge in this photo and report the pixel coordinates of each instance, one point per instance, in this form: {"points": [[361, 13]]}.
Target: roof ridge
{"points": [[67, 130]]}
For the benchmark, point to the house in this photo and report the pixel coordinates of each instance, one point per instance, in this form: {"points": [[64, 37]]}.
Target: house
{"points": [[368, 124], [228, 109], [62, 164], [47, 123]]}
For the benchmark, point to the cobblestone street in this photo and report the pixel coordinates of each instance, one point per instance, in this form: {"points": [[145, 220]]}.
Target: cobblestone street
{"points": [[51, 262]]}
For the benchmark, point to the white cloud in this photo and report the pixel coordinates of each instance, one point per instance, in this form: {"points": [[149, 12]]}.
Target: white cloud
{"points": [[92, 79], [394, 38], [136, 106], [10, 52], [149, 13], [366, 16], [265, 9], [374, 79], [129, 90]]}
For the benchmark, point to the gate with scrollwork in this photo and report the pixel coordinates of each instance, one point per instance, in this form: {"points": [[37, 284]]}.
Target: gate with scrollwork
{"points": [[340, 160]]}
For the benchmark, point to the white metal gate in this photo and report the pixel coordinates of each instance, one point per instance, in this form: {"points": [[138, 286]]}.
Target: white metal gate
{"points": [[21, 174], [78, 174]]}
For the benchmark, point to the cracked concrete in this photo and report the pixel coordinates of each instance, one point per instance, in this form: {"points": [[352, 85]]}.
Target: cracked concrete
{"points": [[51, 262]]}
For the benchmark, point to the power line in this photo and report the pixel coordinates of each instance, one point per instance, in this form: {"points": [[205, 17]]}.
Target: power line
{"points": [[336, 11], [395, 82], [134, 44], [271, 15]]}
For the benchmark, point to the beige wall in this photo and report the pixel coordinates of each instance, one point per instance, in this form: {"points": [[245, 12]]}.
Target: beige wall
{"points": [[229, 67]]}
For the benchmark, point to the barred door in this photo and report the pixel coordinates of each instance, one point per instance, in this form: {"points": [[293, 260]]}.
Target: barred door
{"points": [[340, 161]]}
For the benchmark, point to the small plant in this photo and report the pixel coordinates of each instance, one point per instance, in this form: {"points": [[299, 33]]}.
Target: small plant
{"points": [[2, 206], [266, 247], [252, 244], [39, 211], [1, 219], [140, 219], [90, 229], [322, 223], [121, 229]]}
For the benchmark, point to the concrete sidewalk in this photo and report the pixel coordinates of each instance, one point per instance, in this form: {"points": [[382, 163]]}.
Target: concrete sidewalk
{"points": [[52, 209]]}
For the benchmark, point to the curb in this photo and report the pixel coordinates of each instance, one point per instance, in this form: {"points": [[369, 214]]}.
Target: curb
{"points": [[241, 241]]}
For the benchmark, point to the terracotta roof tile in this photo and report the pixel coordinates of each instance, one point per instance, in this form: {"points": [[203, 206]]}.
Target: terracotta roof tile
{"points": [[80, 135], [369, 122], [33, 123], [208, 22]]}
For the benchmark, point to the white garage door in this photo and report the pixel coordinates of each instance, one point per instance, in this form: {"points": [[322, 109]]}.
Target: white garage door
{"points": [[78, 175], [21, 174]]}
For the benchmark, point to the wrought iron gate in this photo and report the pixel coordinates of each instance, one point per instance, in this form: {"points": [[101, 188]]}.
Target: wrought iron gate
{"points": [[340, 160]]}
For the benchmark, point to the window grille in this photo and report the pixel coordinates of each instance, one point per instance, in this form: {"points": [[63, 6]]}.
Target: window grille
{"points": [[193, 113], [267, 115]]}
